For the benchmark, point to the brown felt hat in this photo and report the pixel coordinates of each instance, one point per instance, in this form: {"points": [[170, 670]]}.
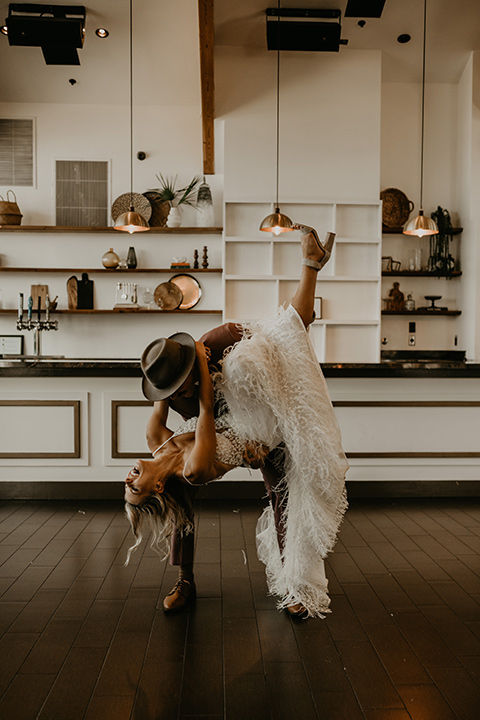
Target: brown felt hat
{"points": [[166, 363]]}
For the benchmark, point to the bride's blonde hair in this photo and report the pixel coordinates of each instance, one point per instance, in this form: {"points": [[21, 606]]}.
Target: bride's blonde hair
{"points": [[163, 513]]}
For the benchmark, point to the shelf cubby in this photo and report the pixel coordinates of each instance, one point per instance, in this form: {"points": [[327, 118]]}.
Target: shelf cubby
{"points": [[262, 272]]}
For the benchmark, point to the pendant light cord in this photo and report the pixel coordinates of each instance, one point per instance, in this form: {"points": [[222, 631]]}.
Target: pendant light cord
{"points": [[278, 102], [423, 101], [131, 105]]}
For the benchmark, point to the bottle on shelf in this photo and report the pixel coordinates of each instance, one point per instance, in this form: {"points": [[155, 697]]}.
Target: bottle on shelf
{"points": [[410, 302]]}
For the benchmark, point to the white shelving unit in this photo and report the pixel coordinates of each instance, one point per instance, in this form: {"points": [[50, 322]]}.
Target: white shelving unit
{"points": [[262, 270]]}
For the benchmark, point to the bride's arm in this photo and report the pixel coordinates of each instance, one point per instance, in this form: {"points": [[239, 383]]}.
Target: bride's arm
{"points": [[200, 465], [157, 430]]}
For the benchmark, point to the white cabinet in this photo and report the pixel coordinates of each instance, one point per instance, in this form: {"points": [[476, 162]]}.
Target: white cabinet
{"points": [[262, 270]]}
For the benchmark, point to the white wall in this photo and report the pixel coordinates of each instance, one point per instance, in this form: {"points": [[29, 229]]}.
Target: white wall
{"points": [[171, 137], [329, 124], [343, 136], [451, 175], [401, 144], [468, 176]]}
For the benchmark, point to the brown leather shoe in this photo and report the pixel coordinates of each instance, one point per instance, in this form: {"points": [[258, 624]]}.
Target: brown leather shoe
{"points": [[183, 593]]}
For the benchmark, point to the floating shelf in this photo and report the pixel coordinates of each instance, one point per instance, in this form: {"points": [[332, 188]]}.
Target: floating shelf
{"points": [[118, 311], [105, 271], [108, 229], [418, 273], [430, 313]]}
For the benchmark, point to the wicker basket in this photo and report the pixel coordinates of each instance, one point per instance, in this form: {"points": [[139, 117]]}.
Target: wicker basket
{"points": [[9, 211], [396, 207], [160, 208]]}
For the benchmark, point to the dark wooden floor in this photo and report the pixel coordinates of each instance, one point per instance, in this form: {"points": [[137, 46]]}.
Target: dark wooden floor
{"points": [[82, 637]]}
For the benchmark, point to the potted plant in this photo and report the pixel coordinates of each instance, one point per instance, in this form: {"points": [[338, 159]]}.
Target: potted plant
{"points": [[167, 192]]}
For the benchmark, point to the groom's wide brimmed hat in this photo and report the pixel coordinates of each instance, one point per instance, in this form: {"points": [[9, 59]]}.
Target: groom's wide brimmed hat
{"points": [[166, 363]]}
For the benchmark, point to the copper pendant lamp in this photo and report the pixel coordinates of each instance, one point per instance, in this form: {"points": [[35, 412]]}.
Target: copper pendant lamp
{"points": [[277, 222], [131, 221], [422, 225]]}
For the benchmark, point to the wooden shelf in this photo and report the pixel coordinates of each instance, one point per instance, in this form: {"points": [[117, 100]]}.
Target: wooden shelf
{"points": [[153, 230], [116, 311], [418, 273], [399, 231], [105, 271], [430, 313]]}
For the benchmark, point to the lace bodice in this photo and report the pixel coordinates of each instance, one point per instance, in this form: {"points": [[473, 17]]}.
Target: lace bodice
{"points": [[230, 449]]}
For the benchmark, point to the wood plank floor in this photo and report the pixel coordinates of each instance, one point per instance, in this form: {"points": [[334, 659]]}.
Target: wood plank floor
{"points": [[81, 636]]}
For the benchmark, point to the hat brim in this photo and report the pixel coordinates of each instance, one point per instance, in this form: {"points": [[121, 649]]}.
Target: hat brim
{"points": [[150, 391]]}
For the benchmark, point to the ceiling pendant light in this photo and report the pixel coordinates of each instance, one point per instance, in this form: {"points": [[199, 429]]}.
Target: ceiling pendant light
{"points": [[422, 225], [277, 222], [131, 221]]}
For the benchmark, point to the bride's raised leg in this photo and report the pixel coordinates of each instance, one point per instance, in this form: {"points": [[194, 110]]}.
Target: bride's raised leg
{"points": [[314, 257]]}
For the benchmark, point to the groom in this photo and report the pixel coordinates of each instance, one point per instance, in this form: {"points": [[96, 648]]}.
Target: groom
{"points": [[170, 372]]}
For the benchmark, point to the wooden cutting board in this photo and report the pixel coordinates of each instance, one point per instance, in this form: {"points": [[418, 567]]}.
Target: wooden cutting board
{"points": [[39, 291], [72, 292]]}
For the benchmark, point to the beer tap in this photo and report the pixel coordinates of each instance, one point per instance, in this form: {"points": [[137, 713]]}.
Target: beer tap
{"points": [[36, 325], [29, 312]]}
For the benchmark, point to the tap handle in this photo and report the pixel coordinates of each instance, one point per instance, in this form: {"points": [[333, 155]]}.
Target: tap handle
{"points": [[39, 308], [47, 308], [30, 307], [20, 306]]}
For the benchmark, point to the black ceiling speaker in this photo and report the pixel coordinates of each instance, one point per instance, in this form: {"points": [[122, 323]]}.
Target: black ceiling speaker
{"points": [[58, 29], [309, 30], [364, 8]]}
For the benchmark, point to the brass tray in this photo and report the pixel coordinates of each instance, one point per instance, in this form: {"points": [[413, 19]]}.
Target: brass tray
{"points": [[190, 287]]}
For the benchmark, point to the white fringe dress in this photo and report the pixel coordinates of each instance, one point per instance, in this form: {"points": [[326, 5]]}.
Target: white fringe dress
{"points": [[276, 394]]}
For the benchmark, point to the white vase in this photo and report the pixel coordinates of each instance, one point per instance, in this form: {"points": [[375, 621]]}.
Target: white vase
{"points": [[205, 215], [174, 217]]}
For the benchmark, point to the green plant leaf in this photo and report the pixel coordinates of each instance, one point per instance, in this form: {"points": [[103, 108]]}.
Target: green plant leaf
{"points": [[167, 189], [185, 193]]}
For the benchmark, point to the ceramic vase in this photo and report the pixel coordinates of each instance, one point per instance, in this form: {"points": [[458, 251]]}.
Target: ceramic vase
{"points": [[174, 217], [131, 258], [110, 260]]}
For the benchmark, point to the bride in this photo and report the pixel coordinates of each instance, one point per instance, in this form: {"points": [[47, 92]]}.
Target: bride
{"points": [[273, 398]]}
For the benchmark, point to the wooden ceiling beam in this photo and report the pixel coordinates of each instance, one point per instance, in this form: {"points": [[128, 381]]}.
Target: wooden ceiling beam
{"points": [[206, 37]]}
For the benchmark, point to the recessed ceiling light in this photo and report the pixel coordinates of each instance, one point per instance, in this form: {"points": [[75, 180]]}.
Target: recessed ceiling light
{"points": [[404, 38], [4, 29], [102, 32]]}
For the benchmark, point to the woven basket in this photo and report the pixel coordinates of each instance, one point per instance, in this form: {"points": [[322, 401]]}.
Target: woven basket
{"points": [[160, 208], [396, 207], [9, 211], [140, 203]]}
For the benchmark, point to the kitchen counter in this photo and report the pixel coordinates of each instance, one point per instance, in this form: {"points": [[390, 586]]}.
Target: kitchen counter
{"points": [[72, 426], [98, 367]]}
